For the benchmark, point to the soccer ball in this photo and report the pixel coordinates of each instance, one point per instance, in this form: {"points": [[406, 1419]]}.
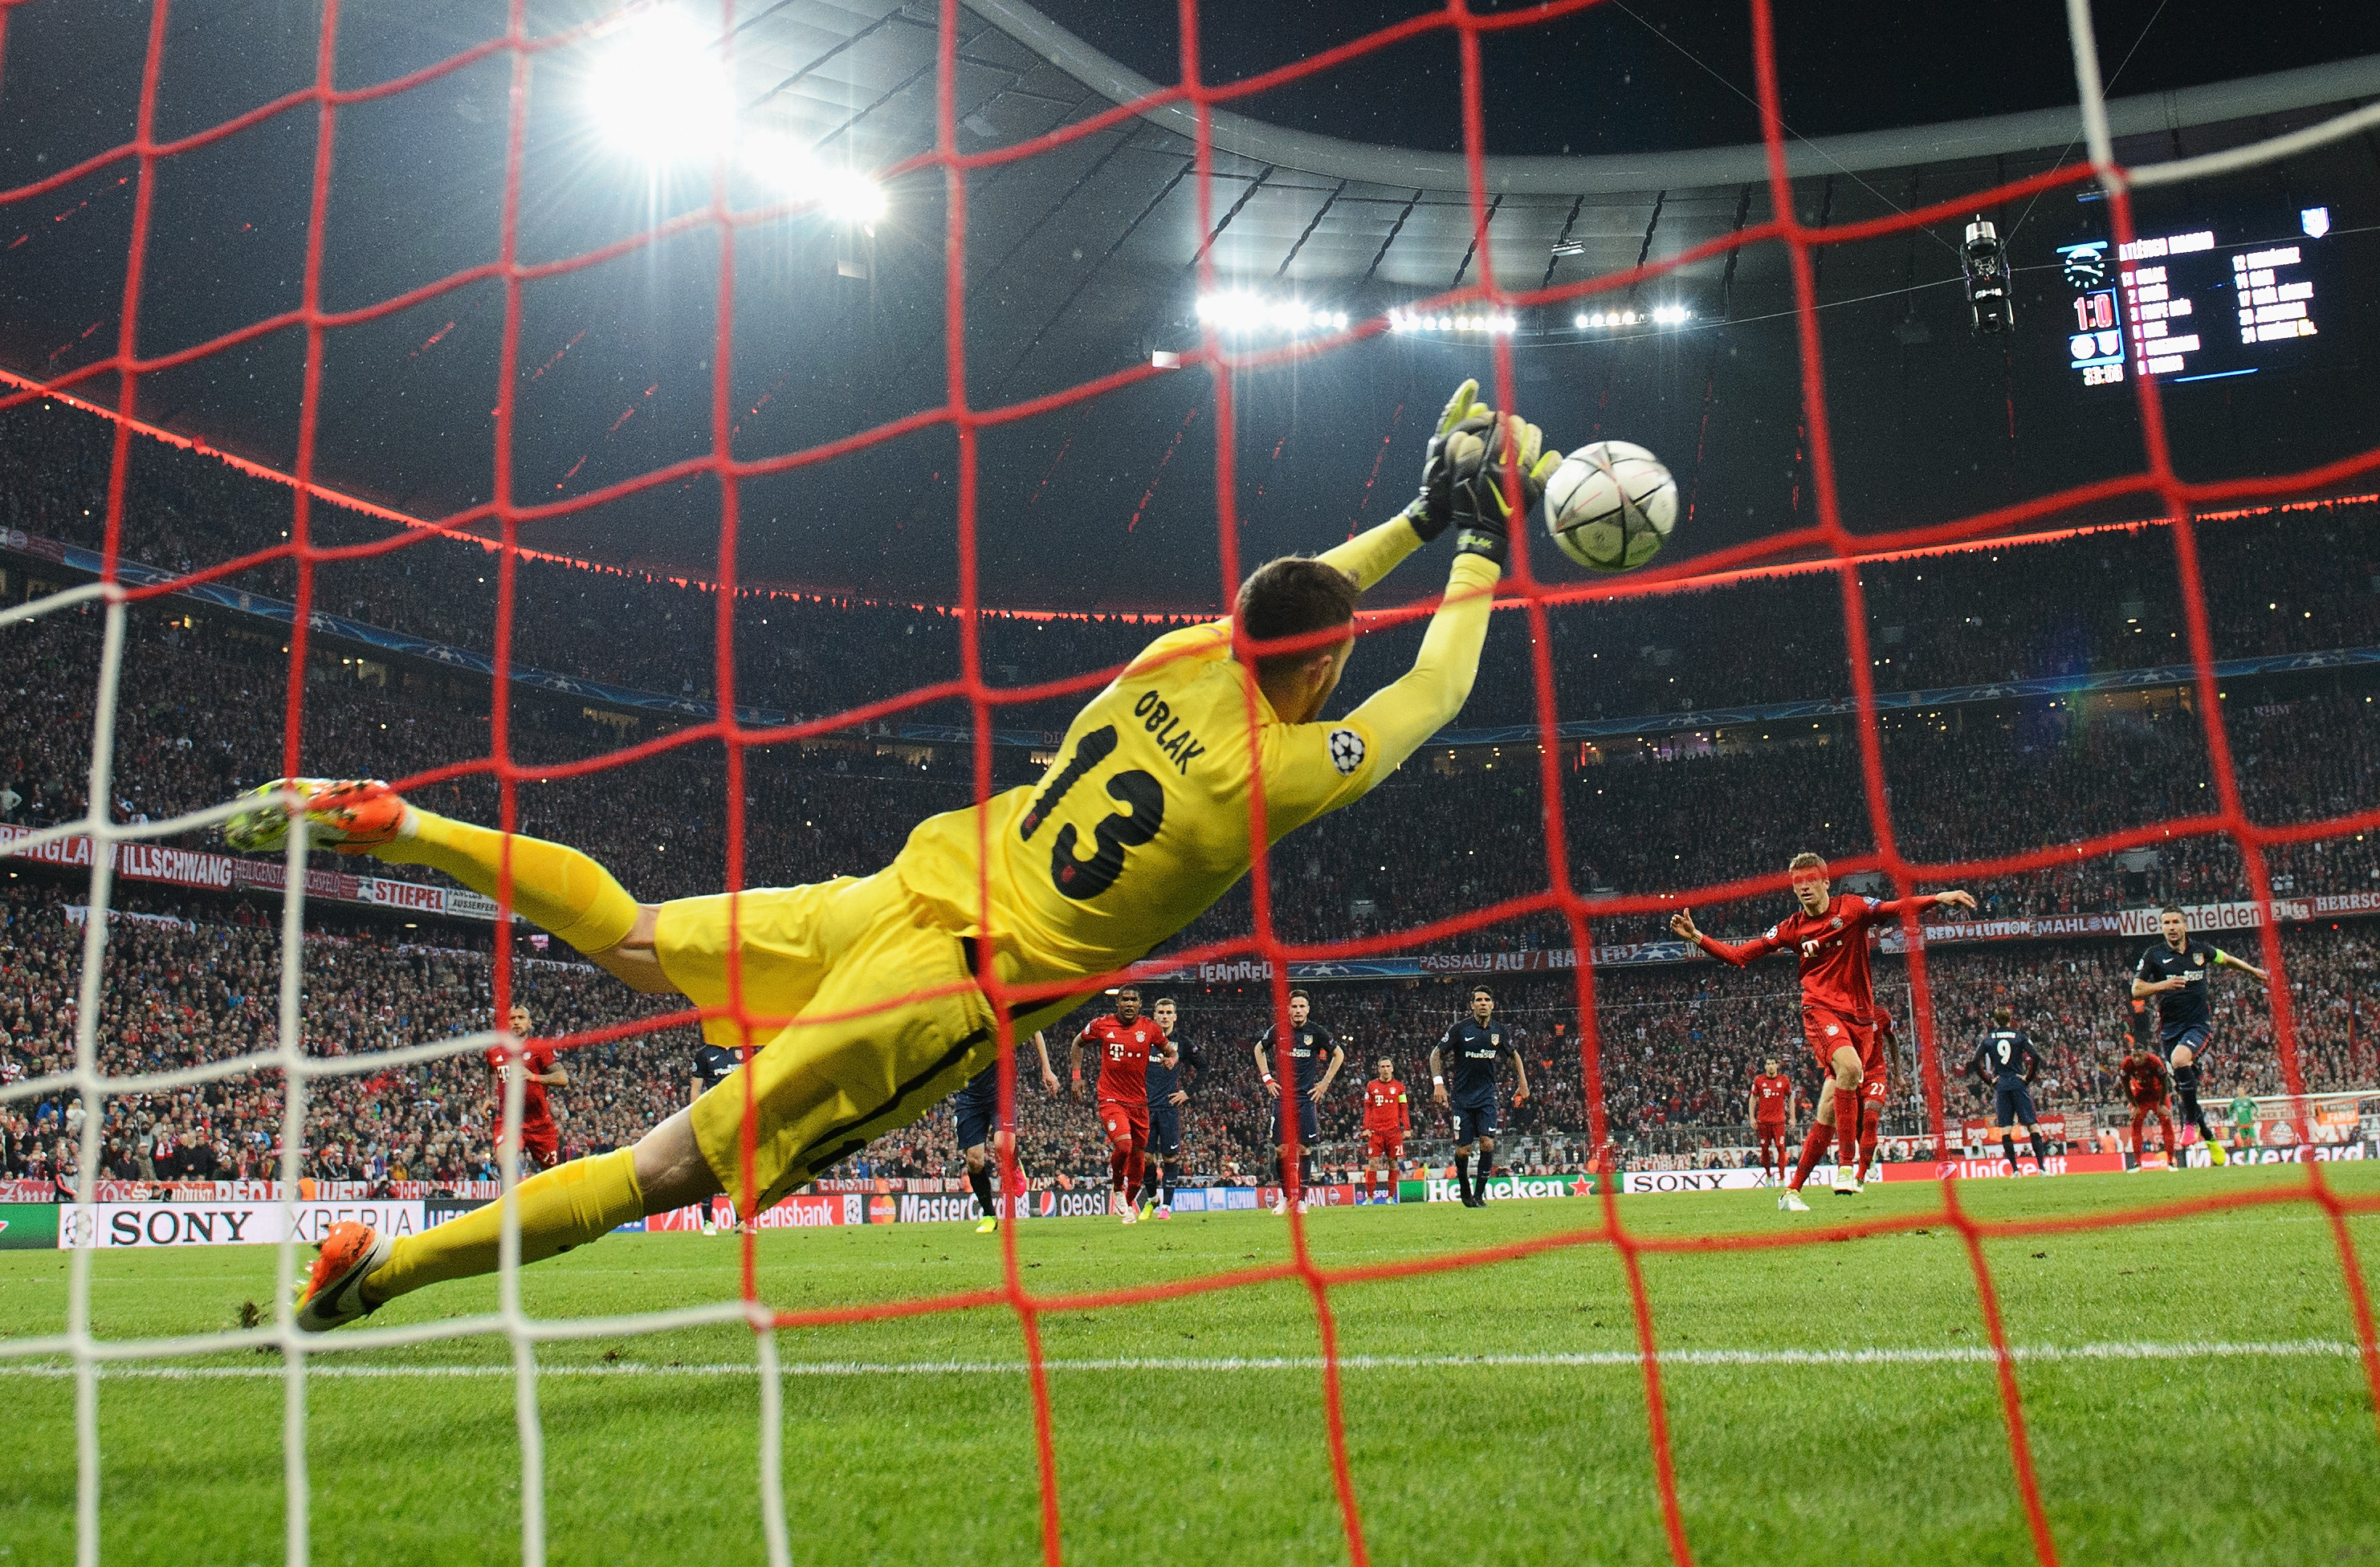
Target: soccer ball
{"points": [[1611, 505]]}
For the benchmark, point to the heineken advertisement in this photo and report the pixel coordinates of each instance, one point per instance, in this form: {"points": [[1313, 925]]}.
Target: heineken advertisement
{"points": [[27, 1226], [1503, 1189]]}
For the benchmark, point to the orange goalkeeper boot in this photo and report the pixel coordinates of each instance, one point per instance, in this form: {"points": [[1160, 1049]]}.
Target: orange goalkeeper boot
{"points": [[333, 1296], [350, 815]]}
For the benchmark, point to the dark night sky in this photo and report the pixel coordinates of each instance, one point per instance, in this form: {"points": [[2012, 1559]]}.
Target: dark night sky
{"points": [[1644, 75], [1112, 505]]}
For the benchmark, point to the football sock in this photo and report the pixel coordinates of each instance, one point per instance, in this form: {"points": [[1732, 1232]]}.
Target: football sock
{"points": [[981, 1181], [1304, 1174], [561, 1208], [2040, 1148], [554, 886], [1463, 1174], [1814, 1147], [1115, 1166], [1134, 1167], [2165, 1125], [2139, 1118], [1847, 1131], [2190, 1110], [2008, 1148]]}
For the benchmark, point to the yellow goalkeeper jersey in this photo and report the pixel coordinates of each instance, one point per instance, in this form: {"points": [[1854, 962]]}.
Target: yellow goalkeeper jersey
{"points": [[1142, 819]]}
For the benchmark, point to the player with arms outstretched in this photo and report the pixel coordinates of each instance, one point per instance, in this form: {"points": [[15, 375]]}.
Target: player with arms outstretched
{"points": [[1124, 1041], [2006, 1059], [1308, 1044], [540, 1139], [1770, 1109], [2174, 969], [1469, 1051], [865, 996], [1387, 1118], [976, 1116], [2146, 1082], [1828, 932]]}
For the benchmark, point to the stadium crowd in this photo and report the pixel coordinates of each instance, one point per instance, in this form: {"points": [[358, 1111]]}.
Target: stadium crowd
{"points": [[204, 688], [2108, 600], [1966, 786], [199, 981]]}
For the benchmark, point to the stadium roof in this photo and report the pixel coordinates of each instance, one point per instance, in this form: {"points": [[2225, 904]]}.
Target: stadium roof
{"points": [[1080, 262]]}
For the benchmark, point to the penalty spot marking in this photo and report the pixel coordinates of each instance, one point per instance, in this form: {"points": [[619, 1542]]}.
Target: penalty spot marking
{"points": [[1952, 1355]]}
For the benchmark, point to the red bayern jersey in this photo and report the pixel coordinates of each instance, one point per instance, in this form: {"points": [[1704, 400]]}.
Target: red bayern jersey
{"points": [[539, 1057], [1832, 947], [1124, 1056], [1771, 1093], [1384, 1107], [2144, 1076]]}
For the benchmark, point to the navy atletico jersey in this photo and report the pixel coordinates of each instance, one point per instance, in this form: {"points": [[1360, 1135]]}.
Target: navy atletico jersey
{"points": [[1474, 1051], [713, 1064], [2006, 1055], [2185, 1008], [1309, 1049], [1164, 1080]]}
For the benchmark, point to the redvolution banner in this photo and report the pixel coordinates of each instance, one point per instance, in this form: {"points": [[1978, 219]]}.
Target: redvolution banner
{"points": [[197, 867]]}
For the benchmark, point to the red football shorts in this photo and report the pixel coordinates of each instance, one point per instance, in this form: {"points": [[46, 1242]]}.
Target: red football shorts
{"points": [[1124, 1121], [1875, 1082], [1828, 1031], [1385, 1145], [540, 1146], [2150, 1105], [1769, 1132]]}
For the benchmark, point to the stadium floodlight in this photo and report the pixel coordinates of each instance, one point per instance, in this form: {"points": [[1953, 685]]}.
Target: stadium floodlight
{"points": [[786, 164], [1242, 310], [660, 89]]}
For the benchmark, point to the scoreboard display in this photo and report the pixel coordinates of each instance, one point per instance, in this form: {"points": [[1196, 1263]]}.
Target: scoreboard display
{"points": [[2200, 305]]}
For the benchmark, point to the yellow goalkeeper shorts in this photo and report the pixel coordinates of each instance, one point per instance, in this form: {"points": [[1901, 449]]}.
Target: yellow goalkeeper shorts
{"points": [[864, 1053]]}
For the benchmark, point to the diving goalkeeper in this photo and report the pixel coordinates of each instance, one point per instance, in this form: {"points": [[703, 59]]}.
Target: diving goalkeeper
{"points": [[868, 989]]}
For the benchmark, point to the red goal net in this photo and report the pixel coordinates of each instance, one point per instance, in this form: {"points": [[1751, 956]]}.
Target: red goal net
{"points": [[118, 379]]}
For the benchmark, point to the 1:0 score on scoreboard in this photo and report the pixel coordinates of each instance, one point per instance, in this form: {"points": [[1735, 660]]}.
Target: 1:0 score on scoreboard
{"points": [[2160, 307]]}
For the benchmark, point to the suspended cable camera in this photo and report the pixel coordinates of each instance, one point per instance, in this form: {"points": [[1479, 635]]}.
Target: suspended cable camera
{"points": [[1984, 257]]}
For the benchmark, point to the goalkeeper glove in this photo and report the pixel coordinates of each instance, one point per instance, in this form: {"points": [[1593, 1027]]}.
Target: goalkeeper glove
{"points": [[1457, 451], [1482, 507]]}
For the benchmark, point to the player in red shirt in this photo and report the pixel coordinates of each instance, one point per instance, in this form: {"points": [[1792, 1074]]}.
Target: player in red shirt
{"points": [[1386, 1122], [1124, 1041], [1877, 1080], [1772, 1108], [540, 1139], [2146, 1082], [1829, 931]]}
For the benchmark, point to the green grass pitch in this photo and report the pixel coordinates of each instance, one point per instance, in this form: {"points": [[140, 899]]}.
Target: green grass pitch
{"points": [[2152, 1446]]}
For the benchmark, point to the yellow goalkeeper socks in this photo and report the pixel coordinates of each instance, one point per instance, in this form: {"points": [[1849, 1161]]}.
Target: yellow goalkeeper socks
{"points": [[561, 1208], [553, 884]]}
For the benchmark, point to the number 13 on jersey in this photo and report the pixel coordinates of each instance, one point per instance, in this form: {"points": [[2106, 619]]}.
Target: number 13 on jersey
{"points": [[1137, 790]]}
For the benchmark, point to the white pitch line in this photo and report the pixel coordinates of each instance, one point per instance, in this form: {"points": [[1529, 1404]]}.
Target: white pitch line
{"points": [[1952, 1355]]}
